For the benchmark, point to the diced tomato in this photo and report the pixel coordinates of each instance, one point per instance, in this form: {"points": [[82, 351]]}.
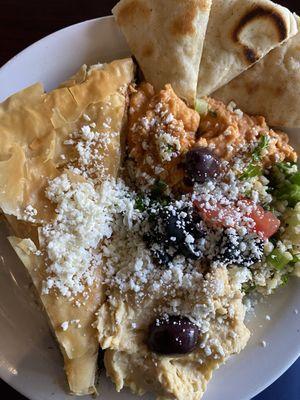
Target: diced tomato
{"points": [[220, 216], [265, 222]]}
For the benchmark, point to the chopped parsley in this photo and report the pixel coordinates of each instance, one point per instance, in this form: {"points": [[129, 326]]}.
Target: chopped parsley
{"points": [[284, 279], [140, 204], [285, 180], [259, 149], [254, 169], [247, 288], [170, 148], [279, 259], [286, 167], [295, 178], [251, 171]]}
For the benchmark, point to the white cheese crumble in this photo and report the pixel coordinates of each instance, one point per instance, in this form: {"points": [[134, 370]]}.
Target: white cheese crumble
{"points": [[168, 145], [92, 147], [65, 326], [233, 108], [30, 214], [84, 218]]}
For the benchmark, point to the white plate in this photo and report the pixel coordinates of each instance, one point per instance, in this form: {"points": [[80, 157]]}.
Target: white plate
{"points": [[29, 359]]}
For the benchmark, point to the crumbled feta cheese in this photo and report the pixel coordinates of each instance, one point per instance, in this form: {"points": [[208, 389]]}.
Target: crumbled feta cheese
{"points": [[168, 145], [84, 218], [65, 326], [30, 214]]}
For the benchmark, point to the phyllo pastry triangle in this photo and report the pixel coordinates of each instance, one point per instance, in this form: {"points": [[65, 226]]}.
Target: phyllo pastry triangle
{"points": [[56, 149]]}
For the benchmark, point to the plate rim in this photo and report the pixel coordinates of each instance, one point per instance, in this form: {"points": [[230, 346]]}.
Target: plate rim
{"points": [[13, 382], [38, 42]]}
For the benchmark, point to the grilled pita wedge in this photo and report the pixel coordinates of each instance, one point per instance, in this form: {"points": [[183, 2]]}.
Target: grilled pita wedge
{"points": [[35, 146], [240, 33], [271, 87], [166, 37]]}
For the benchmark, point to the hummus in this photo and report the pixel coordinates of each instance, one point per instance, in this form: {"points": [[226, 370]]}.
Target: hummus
{"points": [[123, 330]]}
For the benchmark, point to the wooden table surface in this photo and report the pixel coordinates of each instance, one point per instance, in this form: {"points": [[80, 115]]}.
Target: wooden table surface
{"points": [[24, 22]]}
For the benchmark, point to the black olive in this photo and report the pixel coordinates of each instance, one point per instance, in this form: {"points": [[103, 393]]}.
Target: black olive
{"points": [[201, 164], [169, 229], [189, 252], [236, 250], [162, 257], [172, 335], [174, 228], [178, 227]]}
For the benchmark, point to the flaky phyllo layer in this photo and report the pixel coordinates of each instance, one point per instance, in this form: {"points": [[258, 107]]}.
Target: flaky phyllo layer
{"points": [[144, 224], [56, 149]]}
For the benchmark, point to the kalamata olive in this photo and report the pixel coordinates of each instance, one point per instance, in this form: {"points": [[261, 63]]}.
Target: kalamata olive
{"points": [[237, 250], [189, 251], [162, 257], [172, 335], [174, 232], [201, 164], [175, 228], [178, 226]]}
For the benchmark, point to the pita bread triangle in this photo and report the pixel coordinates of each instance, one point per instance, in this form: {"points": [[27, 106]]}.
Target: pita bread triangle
{"points": [[166, 38], [35, 127], [256, 91], [239, 34]]}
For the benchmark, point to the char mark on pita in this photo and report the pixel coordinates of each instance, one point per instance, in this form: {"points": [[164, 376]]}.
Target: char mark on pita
{"points": [[260, 12], [239, 34]]}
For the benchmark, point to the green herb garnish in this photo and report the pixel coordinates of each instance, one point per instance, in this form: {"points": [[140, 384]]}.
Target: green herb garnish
{"points": [[285, 181], [284, 279], [254, 169], [170, 148], [251, 171], [286, 167], [279, 259], [262, 145], [269, 207], [247, 288], [295, 178], [296, 258], [139, 203], [158, 188], [288, 191], [158, 193]]}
